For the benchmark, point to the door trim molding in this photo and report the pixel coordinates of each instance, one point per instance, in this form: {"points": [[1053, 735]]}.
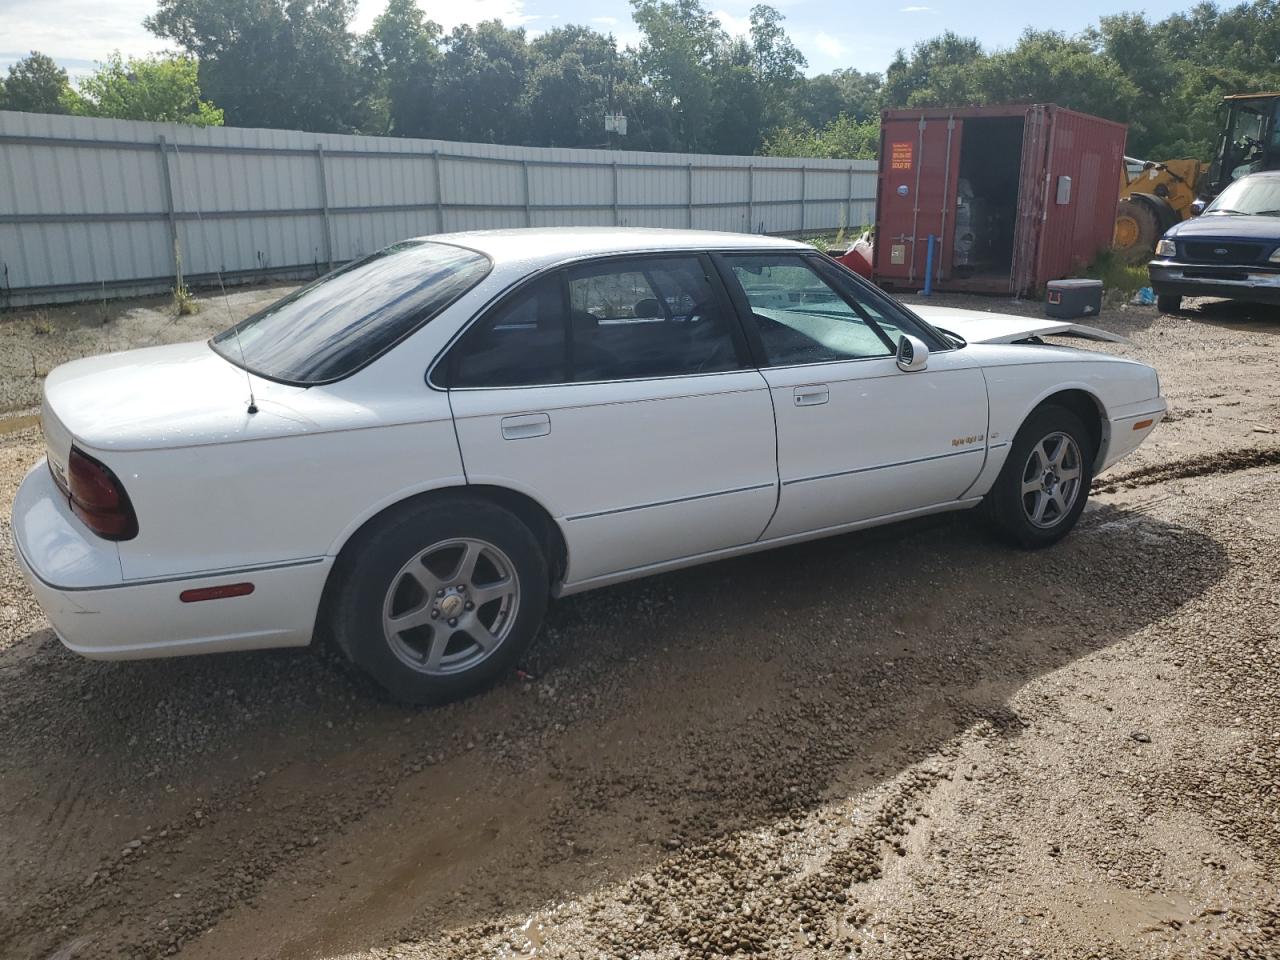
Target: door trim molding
{"points": [[667, 503], [884, 466]]}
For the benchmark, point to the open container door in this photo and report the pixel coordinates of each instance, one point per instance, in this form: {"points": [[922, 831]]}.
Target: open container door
{"points": [[1078, 198], [915, 196], [1033, 185]]}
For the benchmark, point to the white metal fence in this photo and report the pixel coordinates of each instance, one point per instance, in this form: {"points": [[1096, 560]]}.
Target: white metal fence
{"points": [[95, 208]]}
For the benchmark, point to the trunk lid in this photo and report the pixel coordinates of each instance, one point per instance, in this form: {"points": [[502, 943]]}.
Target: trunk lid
{"points": [[170, 396]]}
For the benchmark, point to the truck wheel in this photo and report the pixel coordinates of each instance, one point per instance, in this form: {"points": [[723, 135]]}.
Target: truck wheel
{"points": [[1168, 303], [439, 598], [1137, 230]]}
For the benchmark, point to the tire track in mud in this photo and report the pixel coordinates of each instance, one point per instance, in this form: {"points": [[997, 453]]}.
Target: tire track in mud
{"points": [[1230, 461]]}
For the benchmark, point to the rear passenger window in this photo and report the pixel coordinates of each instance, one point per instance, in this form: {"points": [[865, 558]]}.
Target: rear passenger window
{"points": [[648, 317], [521, 343]]}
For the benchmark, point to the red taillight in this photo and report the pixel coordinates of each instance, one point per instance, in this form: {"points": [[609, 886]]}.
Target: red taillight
{"points": [[98, 499]]}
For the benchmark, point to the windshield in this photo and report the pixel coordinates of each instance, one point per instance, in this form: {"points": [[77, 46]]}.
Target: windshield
{"points": [[1257, 196], [331, 328]]}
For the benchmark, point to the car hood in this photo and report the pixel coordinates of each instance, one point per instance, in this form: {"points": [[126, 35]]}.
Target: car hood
{"points": [[176, 395], [1228, 227], [979, 326]]}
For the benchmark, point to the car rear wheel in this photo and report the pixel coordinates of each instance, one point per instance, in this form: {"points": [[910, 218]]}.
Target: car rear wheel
{"points": [[1043, 487], [1168, 303], [438, 599]]}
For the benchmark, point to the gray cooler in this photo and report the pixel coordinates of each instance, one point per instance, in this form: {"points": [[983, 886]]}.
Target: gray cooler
{"points": [[1073, 298]]}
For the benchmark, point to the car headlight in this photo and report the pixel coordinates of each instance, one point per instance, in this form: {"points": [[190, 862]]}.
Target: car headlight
{"points": [[1167, 248], [1275, 256]]}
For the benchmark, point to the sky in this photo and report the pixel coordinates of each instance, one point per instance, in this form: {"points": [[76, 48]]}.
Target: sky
{"points": [[830, 33]]}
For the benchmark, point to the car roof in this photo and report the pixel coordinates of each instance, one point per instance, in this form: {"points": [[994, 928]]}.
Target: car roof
{"points": [[555, 244]]}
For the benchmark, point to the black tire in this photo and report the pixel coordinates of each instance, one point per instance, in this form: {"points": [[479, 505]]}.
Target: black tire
{"points": [[1137, 230], [1168, 303], [382, 555], [1009, 510]]}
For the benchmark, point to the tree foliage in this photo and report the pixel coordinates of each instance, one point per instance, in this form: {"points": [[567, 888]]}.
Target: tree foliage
{"points": [[686, 85], [35, 84], [162, 89]]}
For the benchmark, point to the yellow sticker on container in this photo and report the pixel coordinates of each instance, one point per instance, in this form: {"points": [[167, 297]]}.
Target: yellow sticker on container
{"points": [[900, 156]]}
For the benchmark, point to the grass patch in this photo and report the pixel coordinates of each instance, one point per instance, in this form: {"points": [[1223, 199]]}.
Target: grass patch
{"points": [[1118, 277]]}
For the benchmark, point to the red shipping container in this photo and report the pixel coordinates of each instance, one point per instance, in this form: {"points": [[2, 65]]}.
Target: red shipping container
{"points": [[1015, 196]]}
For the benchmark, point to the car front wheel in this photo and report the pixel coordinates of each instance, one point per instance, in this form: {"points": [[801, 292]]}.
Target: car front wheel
{"points": [[438, 599], [1043, 487], [1168, 303]]}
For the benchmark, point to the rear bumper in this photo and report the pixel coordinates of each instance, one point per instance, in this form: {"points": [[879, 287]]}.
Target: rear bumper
{"points": [[1254, 283], [116, 619]]}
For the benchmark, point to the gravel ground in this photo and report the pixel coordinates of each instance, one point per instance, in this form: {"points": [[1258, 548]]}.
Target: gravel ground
{"points": [[905, 743]]}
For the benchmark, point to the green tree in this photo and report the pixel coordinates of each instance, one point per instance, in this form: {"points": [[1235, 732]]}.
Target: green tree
{"points": [[403, 52], [1049, 67], [36, 85], [483, 79], [777, 64], [274, 63], [164, 89], [846, 91], [573, 81], [677, 56], [939, 71]]}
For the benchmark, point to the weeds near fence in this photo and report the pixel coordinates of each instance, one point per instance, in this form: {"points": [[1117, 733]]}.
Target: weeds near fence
{"points": [[183, 302]]}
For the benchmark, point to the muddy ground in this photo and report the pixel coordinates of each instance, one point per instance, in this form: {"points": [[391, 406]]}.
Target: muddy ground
{"points": [[912, 742]]}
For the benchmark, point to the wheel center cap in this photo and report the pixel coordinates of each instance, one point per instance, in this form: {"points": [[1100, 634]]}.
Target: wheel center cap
{"points": [[451, 606], [1049, 481]]}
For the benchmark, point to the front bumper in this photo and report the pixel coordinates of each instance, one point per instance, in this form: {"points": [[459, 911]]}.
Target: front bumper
{"points": [[1129, 426], [76, 580], [1255, 283]]}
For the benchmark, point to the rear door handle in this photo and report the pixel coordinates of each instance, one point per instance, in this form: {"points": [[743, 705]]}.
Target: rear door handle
{"points": [[525, 426], [812, 396]]}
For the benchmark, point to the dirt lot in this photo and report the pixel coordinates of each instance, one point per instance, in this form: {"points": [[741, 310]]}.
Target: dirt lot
{"points": [[907, 743]]}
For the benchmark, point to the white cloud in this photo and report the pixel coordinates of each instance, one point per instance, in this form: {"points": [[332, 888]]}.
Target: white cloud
{"points": [[828, 45], [607, 21], [916, 10], [78, 33], [736, 26]]}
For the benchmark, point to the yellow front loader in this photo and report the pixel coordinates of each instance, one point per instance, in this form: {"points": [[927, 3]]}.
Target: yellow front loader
{"points": [[1153, 197]]}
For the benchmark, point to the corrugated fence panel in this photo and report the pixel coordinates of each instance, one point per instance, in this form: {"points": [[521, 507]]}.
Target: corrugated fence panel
{"points": [[92, 208]]}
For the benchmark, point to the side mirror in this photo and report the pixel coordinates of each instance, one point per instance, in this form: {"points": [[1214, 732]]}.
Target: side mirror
{"points": [[912, 354], [1197, 207]]}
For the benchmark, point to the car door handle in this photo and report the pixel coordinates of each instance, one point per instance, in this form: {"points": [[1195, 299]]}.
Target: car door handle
{"points": [[812, 396], [525, 426]]}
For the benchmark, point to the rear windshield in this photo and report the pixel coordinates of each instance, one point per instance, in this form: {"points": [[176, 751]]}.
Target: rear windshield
{"points": [[331, 328]]}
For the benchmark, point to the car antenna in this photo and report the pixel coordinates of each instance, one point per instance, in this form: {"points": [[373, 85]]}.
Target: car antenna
{"points": [[226, 302], [235, 329]]}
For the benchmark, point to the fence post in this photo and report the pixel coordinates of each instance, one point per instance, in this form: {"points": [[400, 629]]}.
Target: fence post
{"points": [[163, 146], [804, 193], [751, 198], [617, 222], [435, 165], [690, 196], [324, 205], [848, 204], [528, 212]]}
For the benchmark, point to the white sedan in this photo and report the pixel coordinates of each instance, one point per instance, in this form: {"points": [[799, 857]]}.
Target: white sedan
{"points": [[413, 453]]}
